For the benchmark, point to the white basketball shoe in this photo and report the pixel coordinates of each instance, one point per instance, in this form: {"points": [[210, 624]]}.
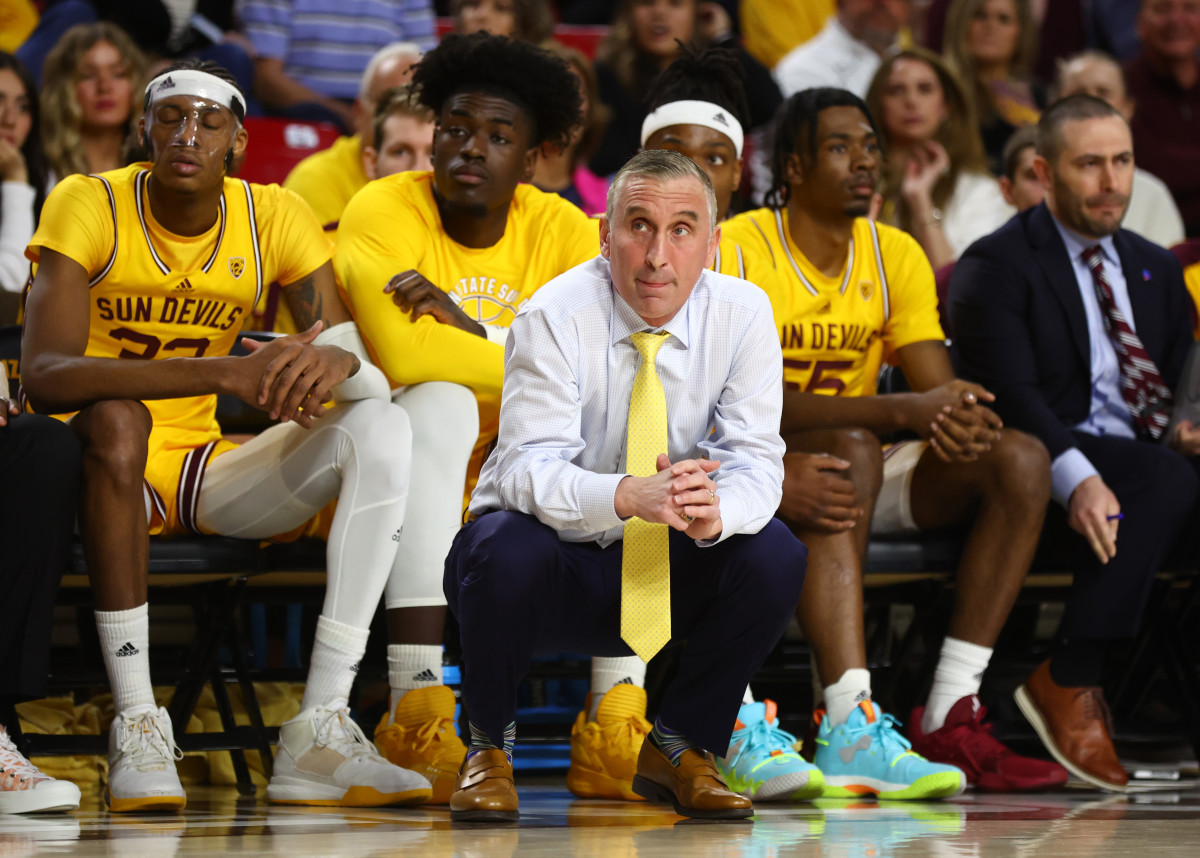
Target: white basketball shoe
{"points": [[141, 762]]}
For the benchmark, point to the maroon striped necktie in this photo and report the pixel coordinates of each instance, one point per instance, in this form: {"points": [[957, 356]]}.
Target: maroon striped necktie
{"points": [[1147, 395]]}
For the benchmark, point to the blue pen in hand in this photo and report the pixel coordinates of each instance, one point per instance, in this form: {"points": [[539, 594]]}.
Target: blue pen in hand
{"points": [[1118, 517]]}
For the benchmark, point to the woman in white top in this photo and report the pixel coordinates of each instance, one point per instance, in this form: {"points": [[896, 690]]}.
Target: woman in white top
{"points": [[22, 171], [936, 185]]}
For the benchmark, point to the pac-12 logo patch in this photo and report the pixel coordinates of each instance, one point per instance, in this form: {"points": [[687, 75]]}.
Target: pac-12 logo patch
{"points": [[866, 288], [237, 264]]}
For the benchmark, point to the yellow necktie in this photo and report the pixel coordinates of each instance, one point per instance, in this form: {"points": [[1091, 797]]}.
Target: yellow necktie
{"points": [[645, 560]]}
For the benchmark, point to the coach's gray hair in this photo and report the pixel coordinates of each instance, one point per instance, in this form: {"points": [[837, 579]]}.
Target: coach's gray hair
{"points": [[663, 165]]}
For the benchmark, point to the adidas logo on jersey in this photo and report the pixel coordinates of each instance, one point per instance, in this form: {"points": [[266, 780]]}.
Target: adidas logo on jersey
{"points": [[127, 648], [425, 675], [185, 286]]}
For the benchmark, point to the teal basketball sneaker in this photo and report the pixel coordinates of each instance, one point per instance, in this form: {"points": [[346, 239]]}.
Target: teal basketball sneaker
{"points": [[762, 763], [868, 756]]}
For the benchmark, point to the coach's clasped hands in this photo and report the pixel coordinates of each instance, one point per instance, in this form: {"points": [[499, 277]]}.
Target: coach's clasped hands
{"points": [[682, 496], [415, 295], [955, 422], [289, 377]]}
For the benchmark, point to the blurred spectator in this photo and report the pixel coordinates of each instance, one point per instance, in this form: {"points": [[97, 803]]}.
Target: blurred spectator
{"points": [[326, 180], [991, 45], [20, 18], [1019, 182], [1164, 83], [1152, 212], [772, 28], [1112, 27], [1059, 24], [312, 53], [847, 51], [160, 28], [563, 170], [22, 175], [645, 39], [527, 20], [936, 185], [401, 135], [92, 100], [696, 96]]}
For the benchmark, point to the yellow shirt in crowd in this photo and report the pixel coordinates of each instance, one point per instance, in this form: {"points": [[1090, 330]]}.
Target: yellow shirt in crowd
{"points": [[771, 28], [837, 331]]}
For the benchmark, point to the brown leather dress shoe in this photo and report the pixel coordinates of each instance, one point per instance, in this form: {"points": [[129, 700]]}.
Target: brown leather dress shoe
{"points": [[485, 790], [1075, 726], [693, 787]]}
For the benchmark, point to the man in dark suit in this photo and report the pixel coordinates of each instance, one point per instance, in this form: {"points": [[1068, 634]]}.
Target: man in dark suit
{"points": [[1081, 329]]}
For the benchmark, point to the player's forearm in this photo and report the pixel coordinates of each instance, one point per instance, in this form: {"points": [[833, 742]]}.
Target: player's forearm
{"points": [[879, 414], [57, 384]]}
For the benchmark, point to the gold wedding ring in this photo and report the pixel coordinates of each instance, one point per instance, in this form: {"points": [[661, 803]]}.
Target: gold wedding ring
{"points": [[712, 497]]}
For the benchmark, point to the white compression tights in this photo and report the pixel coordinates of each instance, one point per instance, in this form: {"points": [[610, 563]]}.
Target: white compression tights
{"points": [[445, 424], [359, 453]]}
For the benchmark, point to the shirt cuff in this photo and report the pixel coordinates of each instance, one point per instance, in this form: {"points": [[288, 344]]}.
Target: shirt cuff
{"points": [[732, 521], [1066, 473], [496, 334], [597, 501]]}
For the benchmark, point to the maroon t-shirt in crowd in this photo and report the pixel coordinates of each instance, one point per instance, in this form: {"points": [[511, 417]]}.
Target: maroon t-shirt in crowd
{"points": [[1166, 134]]}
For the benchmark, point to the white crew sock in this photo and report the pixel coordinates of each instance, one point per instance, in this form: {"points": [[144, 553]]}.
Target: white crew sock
{"points": [[337, 650], [852, 688], [607, 672], [412, 666], [125, 644], [959, 673], [748, 697]]}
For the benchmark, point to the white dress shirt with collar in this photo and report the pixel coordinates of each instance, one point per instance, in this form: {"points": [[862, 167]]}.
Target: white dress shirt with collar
{"points": [[569, 366], [833, 57], [1108, 413]]}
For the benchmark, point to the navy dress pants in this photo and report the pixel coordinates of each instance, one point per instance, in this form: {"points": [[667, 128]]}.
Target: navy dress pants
{"points": [[518, 590]]}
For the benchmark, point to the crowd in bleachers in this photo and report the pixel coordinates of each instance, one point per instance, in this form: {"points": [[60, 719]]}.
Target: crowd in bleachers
{"points": [[907, 153]]}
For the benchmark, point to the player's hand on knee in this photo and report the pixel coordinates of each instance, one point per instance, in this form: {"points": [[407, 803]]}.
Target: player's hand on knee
{"points": [[415, 295], [818, 493], [1185, 440], [292, 378], [1094, 512]]}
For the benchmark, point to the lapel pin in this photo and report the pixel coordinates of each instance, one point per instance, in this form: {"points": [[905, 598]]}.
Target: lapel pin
{"points": [[1146, 274]]}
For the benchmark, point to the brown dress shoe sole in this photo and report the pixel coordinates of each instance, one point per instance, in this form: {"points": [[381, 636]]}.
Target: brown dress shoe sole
{"points": [[484, 816], [1034, 716], [652, 791]]}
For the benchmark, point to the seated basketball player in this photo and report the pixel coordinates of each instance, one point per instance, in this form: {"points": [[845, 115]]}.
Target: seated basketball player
{"points": [[143, 275], [459, 250], [847, 295]]}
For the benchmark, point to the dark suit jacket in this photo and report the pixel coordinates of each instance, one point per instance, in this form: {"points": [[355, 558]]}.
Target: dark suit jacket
{"points": [[1021, 331]]}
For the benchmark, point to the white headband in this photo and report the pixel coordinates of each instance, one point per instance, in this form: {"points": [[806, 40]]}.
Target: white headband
{"points": [[197, 84], [703, 113]]}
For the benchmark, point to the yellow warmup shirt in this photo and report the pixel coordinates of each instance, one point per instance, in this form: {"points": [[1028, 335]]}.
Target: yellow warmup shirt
{"points": [[837, 331], [1191, 277], [771, 28], [393, 225], [156, 295], [326, 180]]}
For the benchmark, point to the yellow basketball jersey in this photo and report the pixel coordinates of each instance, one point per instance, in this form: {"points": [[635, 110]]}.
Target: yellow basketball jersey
{"points": [[836, 332], [156, 295]]}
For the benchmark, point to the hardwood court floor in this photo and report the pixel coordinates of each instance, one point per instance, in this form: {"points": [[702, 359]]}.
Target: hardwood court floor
{"points": [[554, 823]]}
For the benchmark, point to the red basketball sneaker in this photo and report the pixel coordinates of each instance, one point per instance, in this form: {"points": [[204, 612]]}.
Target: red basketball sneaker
{"points": [[965, 741]]}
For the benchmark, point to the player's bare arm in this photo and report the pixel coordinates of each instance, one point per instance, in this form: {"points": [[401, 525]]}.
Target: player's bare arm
{"points": [[418, 297], [947, 411], [58, 377]]}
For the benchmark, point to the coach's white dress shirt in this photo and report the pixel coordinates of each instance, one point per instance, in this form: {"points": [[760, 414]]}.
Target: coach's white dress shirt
{"points": [[569, 365]]}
